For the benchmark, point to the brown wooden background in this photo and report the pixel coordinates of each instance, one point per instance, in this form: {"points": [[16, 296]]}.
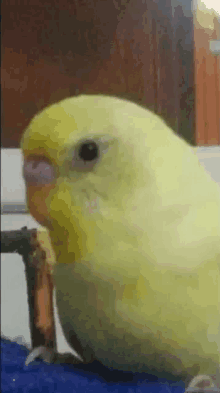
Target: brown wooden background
{"points": [[143, 51], [207, 80]]}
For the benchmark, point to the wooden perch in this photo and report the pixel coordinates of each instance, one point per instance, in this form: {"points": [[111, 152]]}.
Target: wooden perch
{"points": [[36, 250], [29, 244]]}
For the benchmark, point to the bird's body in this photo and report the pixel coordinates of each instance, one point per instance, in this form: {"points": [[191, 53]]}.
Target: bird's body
{"points": [[136, 233]]}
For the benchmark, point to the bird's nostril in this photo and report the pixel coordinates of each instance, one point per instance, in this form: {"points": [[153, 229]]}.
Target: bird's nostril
{"points": [[35, 164], [38, 172]]}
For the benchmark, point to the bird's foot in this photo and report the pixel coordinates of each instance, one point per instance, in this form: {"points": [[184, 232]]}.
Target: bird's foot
{"points": [[202, 384], [50, 356], [47, 354]]}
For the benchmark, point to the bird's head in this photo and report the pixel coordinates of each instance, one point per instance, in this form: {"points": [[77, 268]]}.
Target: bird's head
{"points": [[89, 157]]}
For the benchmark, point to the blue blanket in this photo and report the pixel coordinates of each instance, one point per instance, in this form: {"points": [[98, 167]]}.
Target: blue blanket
{"points": [[93, 378]]}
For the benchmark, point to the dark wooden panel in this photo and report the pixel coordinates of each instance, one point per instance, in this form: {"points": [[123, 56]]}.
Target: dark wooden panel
{"points": [[207, 77], [133, 49]]}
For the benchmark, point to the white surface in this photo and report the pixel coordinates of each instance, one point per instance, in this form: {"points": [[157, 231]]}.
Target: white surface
{"points": [[12, 183], [209, 158], [211, 5], [14, 307], [215, 46]]}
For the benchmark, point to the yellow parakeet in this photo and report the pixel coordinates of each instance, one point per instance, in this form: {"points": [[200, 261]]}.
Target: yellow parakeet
{"points": [[134, 221]]}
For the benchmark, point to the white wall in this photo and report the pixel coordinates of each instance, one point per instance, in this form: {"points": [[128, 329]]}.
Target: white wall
{"points": [[14, 308]]}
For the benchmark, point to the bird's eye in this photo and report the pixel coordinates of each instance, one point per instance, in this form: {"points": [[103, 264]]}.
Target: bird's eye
{"points": [[86, 155], [88, 151]]}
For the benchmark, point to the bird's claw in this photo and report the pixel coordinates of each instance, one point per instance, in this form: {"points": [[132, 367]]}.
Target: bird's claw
{"points": [[202, 384], [50, 356], [42, 352]]}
